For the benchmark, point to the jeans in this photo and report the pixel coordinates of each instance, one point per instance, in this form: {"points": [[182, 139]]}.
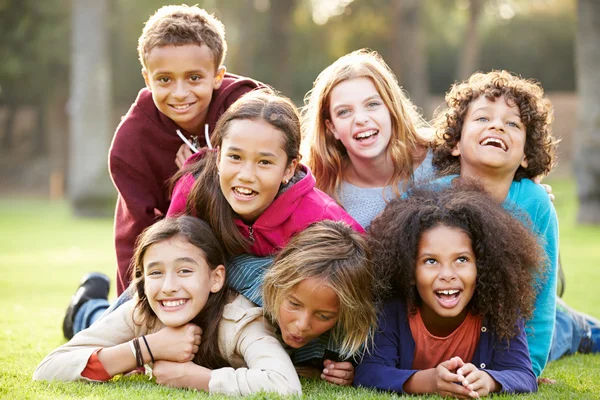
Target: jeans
{"points": [[573, 332], [92, 310]]}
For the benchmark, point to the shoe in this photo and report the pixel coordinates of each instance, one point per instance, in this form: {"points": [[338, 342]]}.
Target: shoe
{"points": [[94, 285]]}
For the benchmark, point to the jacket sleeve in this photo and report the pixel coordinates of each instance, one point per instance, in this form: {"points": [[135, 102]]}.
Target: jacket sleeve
{"points": [[135, 211], [540, 328], [379, 367], [511, 366], [67, 362], [268, 367]]}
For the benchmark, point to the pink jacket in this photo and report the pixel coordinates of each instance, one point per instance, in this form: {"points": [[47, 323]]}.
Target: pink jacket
{"points": [[291, 212]]}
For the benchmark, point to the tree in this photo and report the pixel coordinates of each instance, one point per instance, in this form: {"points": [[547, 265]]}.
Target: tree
{"points": [[90, 190], [587, 159], [469, 55]]}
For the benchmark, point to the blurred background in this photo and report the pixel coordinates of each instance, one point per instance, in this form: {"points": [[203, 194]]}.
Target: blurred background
{"points": [[69, 72]]}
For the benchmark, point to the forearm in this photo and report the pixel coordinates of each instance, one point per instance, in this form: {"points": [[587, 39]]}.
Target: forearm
{"points": [[117, 359], [420, 382]]}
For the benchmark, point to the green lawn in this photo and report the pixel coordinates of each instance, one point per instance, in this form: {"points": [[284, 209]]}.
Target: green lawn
{"points": [[44, 251]]}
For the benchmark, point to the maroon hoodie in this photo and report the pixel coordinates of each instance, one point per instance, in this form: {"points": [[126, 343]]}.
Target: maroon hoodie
{"points": [[142, 160]]}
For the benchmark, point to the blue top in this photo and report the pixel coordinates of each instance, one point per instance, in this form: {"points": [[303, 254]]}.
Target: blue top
{"points": [[389, 364], [530, 203], [364, 204]]}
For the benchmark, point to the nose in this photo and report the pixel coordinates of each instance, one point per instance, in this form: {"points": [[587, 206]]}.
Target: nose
{"points": [[247, 172], [181, 90], [497, 124], [170, 283], [447, 272], [361, 117], [303, 322]]}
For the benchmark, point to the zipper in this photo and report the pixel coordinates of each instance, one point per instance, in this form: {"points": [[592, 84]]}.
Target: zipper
{"points": [[251, 233]]}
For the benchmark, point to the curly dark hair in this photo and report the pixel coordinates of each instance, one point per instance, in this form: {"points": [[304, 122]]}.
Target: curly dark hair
{"points": [[507, 254], [536, 114]]}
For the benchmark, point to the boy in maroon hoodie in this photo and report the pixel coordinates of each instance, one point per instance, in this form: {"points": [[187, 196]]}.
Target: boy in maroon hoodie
{"points": [[181, 50]]}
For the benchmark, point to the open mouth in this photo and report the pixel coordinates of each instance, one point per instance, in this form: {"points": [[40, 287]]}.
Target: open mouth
{"points": [[173, 303], [448, 297], [366, 135], [181, 107], [244, 192], [495, 142]]}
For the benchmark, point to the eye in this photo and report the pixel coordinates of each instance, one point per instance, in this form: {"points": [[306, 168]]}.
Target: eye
{"points": [[324, 318], [373, 104], [462, 259], [430, 261], [164, 79], [186, 270], [342, 112], [482, 119], [154, 272], [195, 78], [234, 157], [265, 162], [513, 124], [293, 304]]}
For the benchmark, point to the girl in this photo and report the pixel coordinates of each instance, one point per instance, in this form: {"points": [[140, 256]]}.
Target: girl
{"points": [[251, 188], [463, 270], [183, 320], [322, 283], [362, 133]]}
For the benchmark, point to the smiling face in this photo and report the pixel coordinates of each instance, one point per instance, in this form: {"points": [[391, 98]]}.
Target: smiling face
{"points": [[252, 166], [492, 139], [445, 276], [182, 80], [310, 309], [178, 281], [360, 119]]}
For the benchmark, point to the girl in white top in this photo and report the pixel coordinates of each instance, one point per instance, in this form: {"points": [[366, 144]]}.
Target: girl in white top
{"points": [[195, 332]]}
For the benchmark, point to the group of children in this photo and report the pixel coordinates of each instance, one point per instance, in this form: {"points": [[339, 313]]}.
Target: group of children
{"points": [[391, 258]]}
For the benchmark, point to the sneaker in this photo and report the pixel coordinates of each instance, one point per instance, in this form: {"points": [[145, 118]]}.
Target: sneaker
{"points": [[94, 285]]}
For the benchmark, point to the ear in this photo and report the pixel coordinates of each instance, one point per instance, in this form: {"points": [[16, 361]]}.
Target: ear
{"points": [[146, 79], [524, 163], [330, 126], [219, 77], [218, 278], [289, 171], [456, 150]]}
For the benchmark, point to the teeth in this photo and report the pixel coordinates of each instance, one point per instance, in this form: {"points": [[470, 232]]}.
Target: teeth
{"points": [[494, 140], [182, 107], [448, 292], [174, 303], [366, 134], [245, 191]]}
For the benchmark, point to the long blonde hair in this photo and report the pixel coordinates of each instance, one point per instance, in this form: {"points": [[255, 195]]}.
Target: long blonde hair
{"points": [[334, 252], [327, 155]]}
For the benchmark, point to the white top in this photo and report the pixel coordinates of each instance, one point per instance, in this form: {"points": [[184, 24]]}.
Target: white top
{"points": [[246, 340]]}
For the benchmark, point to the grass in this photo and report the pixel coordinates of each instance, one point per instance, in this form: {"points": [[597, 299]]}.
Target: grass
{"points": [[44, 251]]}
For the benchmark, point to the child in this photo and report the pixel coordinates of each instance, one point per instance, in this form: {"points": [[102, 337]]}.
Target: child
{"points": [[251, 188], [463, 270], [183, 320], [181, 50], [362, 131], [496, 129], [321, 283]]}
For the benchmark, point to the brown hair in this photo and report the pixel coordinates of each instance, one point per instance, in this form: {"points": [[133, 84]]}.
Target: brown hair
{"points": [[334, 252], [507, 254], [206, 200], [179, 25], [536, 114], [199, 234], [327, 156]]}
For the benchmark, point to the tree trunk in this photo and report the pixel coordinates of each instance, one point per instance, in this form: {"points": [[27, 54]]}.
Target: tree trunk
{"points": [[408, 51], [467, 63], [280, 38], [90, 190], [9, 127], [587, 140]]}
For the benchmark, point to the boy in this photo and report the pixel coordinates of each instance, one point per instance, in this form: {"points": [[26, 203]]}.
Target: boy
{"points": [[181, 50], [496, 130]]}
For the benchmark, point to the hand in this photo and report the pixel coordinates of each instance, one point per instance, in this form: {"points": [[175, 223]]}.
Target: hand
{"points": [[538, 180], [181, 375], [308, 372], [446, 378], [478, 382], [183, 154], [175, 344], [546, 381], [341, 373]]}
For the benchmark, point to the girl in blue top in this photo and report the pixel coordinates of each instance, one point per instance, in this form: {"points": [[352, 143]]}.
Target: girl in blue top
{"points": [[462, 271]]}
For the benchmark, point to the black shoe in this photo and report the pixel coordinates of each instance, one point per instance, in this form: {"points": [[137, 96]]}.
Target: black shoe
{"points": [[94, 285]]}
